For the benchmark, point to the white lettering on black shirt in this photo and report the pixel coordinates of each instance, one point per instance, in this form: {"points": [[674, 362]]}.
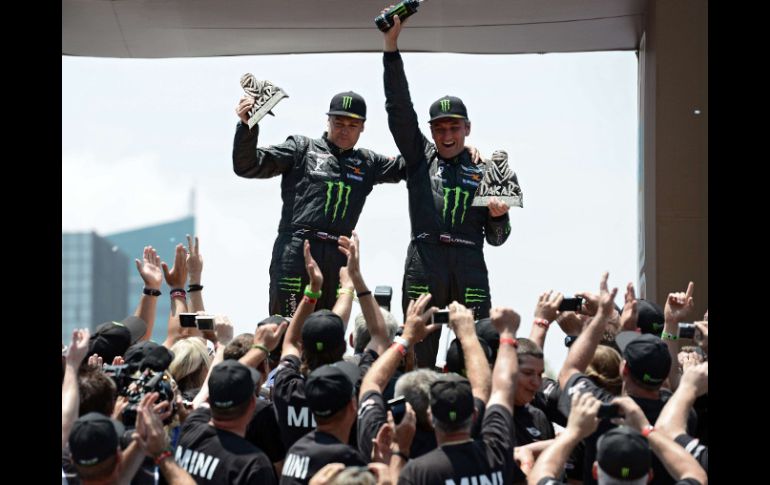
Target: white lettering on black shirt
{"points": [[196, 463]]}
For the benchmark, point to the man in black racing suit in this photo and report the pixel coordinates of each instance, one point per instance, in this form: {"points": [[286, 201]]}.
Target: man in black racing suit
{"points": [[324, 184], [445, 257]]}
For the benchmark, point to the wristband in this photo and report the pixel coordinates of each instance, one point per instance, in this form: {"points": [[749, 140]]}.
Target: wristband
{"points": [[363, 293], [165, 454], [542, 322], [344, 291], [510, 341], [401, 340], [668, 336], [312, 301], [401, 349], [312, 294], [178, 293], [192, 288], [403, 455], [261, 347], [151, 292], [647, 430]]}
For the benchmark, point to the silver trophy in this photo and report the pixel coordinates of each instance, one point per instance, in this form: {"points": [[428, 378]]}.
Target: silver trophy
{"points": [[499, 181], [266, 96]]}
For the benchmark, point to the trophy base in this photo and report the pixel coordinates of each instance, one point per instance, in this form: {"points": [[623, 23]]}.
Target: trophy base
{"points": [[511, 200], [263, 110]]}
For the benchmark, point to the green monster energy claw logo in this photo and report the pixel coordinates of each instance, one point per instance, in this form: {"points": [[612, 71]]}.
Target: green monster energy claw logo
{"points": [[445, 104], [457, 192], [341, 187], [475, 295], [452, 416], [415, 291], [347, 102], [292, 285], [624, 472], [647, 377]]}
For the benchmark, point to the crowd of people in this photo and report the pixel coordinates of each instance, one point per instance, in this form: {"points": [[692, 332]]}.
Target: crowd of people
{"points": [[288, 403]]}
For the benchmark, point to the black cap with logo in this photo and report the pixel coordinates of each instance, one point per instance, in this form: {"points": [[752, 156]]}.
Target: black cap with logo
{"points": [[323, 330], [330, 387], [94, 438], [646, 355], [623, 453], [448, 107], [231, 383], [451, 399], [348, 104]]}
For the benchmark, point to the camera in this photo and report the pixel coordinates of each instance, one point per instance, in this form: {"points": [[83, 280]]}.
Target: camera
{"points": [[120, 375], [397, 406], [571, 304], [383, 295], [441, 317], [608, 411], [149, 381], [687, 330], [187, 320], [204, 322]]}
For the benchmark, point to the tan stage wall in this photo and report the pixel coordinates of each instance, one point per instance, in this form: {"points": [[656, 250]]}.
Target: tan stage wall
{"points": [[673, 133]]}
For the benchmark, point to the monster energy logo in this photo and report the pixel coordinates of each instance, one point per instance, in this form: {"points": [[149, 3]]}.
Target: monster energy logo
{"points": [[292, 285], [475, 295], [347, 102], [452, 415], [341, 187], [458, 192], [415, 291], [624, 472], [445, 104]]}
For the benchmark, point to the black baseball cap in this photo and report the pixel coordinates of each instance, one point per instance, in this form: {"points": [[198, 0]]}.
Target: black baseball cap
{"points": [[348, 104], [330, 387], [451, 399], [94, 438], [323, 330], [114, 338], [448, 107], [489, 334], [148, 354], [623, 453], [646, 355], [650, 319], [455, 357], [231, 383]]}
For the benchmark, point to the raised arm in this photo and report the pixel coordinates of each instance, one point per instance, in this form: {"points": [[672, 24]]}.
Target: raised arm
{"points": [[292, 344], [375, 322], [415, 330], [149, 270], [678, 462], [402, 118], [476, 365], [252, 162], [70, 393], [546, 311], [678, 308], [581, 423], [344, 304], [506, 321], [583, 349], [194, 263], [672, 420], [175, 279]]}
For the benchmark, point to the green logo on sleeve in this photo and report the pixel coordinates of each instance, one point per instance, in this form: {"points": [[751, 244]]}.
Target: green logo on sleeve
{"points": [[341, 187]]}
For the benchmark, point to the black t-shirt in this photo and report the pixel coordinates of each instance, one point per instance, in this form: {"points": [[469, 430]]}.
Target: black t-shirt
{"points": [[372, 414], [553, 481], [264, 433], [531, 425], [489, 459], [650, 407], [696, 448], [212, 455], [314, 451], [547, 400], [294, 417]]}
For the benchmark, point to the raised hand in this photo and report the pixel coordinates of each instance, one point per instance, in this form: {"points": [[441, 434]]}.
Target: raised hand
{"points": [[269, 335], [679, 305], [313, 271], [505, 319], [548, 305], [630, 314], [497, 207], [415, 328], [244, 106], [194, 261], [177, 275], [606, 297], [149, 268]]}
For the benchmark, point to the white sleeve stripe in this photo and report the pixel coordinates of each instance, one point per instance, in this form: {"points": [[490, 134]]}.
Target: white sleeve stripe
{"points": [[692, 445]]}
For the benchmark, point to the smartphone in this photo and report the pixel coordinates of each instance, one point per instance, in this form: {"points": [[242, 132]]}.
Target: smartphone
{"points": [[687, 330], [187, 320], [609, 411], [205, 322], [397, 406], [571, 304], [441, 317]]}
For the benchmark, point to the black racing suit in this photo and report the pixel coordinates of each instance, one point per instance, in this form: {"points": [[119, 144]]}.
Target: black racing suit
{"points": [[323, 190], [445, 256]]}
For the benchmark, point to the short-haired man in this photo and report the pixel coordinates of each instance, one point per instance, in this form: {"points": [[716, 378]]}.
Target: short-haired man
{"points": [[324, 184], [445, 257], [330, 395], [212, 447]]}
